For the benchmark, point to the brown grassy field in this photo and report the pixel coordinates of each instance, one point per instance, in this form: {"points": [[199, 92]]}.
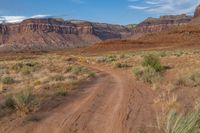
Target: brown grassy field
{"points": [[154, 91]]}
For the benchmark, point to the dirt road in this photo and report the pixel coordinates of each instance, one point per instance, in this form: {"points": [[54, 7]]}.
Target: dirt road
{"points": [[114, 103]]}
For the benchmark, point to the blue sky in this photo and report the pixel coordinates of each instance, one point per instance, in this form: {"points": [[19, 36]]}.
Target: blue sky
{"points": [[109, 11]]}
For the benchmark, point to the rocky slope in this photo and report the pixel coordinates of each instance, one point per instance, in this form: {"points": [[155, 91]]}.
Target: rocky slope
{"points": [[162, 23], [188, 34], [47, 34]]}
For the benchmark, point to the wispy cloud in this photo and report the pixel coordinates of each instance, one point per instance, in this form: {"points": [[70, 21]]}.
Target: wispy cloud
{"points": [[138, 7], [17, 19], [165, 6]]}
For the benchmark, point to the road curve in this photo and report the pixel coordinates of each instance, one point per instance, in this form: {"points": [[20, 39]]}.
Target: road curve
{"points": [[114, 103]]}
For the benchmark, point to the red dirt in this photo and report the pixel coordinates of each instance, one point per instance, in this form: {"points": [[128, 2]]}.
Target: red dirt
{"points": [[115, 103]]}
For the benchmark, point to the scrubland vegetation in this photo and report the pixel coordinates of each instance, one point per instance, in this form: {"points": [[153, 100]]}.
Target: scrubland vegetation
{"points": [[26, 84], [173, 75]]}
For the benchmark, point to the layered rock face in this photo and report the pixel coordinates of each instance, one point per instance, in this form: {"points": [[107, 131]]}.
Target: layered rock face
{"points": [[57, 34], [197, 12], [162, 23]]}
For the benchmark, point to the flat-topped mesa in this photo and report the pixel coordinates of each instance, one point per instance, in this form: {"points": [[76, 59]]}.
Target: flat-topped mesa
{"points": [[56, 33], [47, 25], [162, 23], [50, 25], [197, 12]]}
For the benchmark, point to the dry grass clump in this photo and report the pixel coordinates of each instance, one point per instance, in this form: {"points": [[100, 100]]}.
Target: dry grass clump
{"points": [[61, 92], [26, 67], [106, 59], [175, 122], [58, 77], [191, 80], [79, 70], [120, 65], [23, 102]]}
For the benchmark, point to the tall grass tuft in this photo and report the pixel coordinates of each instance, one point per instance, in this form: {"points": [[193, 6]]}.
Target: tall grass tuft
{"points": [[25, 102], [179, 123]]}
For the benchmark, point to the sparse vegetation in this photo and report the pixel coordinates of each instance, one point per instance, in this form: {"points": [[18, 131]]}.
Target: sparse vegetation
{"points": [[26, 67], [58, 78], [120, 65], [7, 80], [147, 74], [61, 92], [106, 59]]}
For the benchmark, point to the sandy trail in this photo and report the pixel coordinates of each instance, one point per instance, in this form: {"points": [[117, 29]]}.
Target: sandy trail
{"points": [[115, 103]]}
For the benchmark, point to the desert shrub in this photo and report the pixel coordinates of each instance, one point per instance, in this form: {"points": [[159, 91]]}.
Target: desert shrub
{"points": [[91, 74], [106, 59], [152, 61], [7, 80], [78, 70], [58, 78], [75, 69], [26, 67], [138, 72], [120, 65], [9, 102], [25, 102], [147, 74], [61, 92]]}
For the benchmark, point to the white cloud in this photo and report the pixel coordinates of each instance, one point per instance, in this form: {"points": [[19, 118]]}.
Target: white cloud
{"points": [[39, 16], [138, 7], [167, 6], [17, 19]]}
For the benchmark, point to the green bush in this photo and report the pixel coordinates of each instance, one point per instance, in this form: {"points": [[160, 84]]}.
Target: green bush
{"points": [[152, 61], [147, 74], [7, 80]]}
